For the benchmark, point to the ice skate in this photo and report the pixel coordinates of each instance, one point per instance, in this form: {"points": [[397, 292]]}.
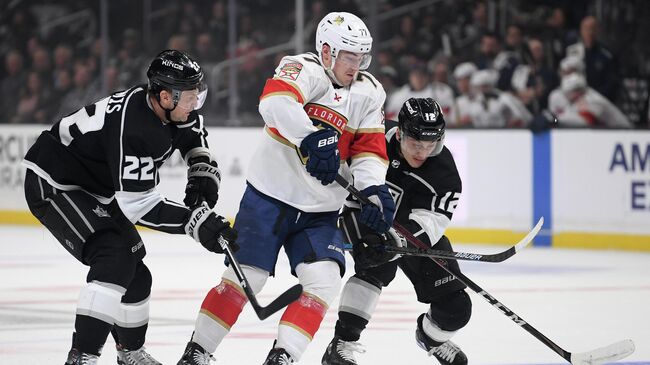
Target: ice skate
{"points": [[194, 354], [134, 357], [278, 356], [447, 353], [85, 359], [341, 352]]}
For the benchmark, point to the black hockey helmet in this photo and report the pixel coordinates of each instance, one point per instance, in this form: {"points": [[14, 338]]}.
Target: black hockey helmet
{"points": [[175, 71], [421, 119]]}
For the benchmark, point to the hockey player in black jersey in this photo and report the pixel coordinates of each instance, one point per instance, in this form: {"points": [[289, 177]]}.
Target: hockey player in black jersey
{"points": [[92, 177], [426, 186]]}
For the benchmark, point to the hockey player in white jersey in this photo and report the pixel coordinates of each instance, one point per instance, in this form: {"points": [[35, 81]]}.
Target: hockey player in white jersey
{"points": [[322, 112]]}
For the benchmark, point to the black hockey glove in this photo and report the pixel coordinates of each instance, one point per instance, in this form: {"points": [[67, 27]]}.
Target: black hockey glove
{"points": [[203, 181], [370, 251], [211, 230], [321, 149], [378, 217]]}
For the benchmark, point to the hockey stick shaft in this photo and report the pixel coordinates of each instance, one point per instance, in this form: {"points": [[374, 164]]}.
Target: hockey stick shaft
{"points": [[280, 302], [424, 249], [609, 351]]}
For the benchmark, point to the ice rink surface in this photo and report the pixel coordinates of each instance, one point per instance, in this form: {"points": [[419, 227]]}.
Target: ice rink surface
{"points": [[580, 299]]}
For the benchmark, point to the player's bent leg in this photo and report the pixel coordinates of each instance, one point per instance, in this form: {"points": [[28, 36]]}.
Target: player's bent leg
{"points": [[112, 267], [435, 328], [219, 312], [321, 281], [97, 309], [357, 304], [131, 327]]}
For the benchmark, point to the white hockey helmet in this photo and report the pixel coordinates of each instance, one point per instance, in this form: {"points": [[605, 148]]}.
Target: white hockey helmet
{"points": [[344, 32]]}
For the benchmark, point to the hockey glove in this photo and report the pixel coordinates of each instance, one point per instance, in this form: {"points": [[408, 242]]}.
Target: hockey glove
{"points": [[203, 181], [378, 216], [321, 149], [371, 250], [209, 229]]}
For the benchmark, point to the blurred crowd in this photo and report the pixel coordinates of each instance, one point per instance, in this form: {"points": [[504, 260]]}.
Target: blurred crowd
{"points": [[490, 63]]}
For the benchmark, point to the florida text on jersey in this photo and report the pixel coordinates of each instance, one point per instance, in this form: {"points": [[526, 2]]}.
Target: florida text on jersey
{"points": [[354, 112]]}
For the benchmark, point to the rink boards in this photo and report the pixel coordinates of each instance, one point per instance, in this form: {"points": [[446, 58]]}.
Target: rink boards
{"points": [[592, 186]]}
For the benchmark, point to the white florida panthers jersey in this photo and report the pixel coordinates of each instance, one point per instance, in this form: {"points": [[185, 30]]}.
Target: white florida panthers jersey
{"points": [[299, 100]]}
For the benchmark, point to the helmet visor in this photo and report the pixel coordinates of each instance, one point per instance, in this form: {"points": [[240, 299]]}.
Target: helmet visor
{"points": [[193, 99], [420, 148], [359, 61]]}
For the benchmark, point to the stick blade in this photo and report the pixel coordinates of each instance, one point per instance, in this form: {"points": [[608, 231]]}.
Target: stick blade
{"points": [[529, 237], [613, 352], [280, 302]]}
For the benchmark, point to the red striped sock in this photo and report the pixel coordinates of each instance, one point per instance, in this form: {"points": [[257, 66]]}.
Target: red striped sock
{"points": [[224, 303]]}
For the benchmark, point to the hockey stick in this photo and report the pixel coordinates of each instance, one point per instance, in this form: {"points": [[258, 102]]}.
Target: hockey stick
{"points": [[280, 302], [428, 252], [424, 250], [613, 352]]}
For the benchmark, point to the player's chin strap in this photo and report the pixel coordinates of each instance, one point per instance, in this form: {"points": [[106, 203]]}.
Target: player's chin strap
{"points": [[168, 112], [613, 352], [329, 71]]}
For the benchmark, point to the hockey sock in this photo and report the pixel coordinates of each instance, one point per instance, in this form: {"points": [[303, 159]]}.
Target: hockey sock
{"points": [[349, 327], [358, 302], [91, 334], [131, 338], [97, 309], [299, 324], [131, 324], [219, 312]]}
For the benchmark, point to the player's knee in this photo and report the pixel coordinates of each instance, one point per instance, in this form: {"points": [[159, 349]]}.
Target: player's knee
{"points": [[256, 277], [115, 264], [140, 287], [451, 312], [321, 279]]}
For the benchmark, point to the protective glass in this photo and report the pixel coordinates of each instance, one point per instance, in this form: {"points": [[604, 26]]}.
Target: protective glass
{"points": [[360, 61], [416, 147], [193, 99]]}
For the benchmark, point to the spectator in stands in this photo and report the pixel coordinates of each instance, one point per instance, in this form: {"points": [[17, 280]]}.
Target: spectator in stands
{"points": [[462, 74], [601, 67], [205, 51], [178, 42], [587, 107], [557, 100], [515, 53], [418, 87], [493, 108], [557, 36], [63, 57], [533, 82], [11, 84], [131, 59], [442, 92], [33, 101], [41, 63], [387, 76], [490, 47], [218, 27], [81, 94]]}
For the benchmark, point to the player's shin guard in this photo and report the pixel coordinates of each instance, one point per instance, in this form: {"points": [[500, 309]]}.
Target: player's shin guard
{"points": [[358, 302], [222, 306], [97, 309], [219, 312], [321, 282], [131, 325]]}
